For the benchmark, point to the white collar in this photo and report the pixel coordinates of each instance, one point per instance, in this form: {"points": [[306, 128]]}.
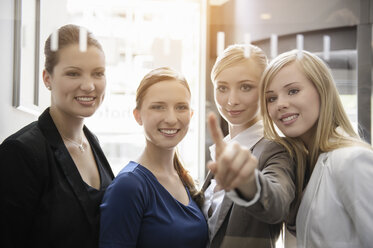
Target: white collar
{"points": [[248, 137]]}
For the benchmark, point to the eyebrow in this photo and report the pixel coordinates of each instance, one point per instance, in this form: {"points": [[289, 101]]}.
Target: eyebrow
{"points": [[161, 102], [80, 69], [72, 67], [238, 82], [285, 86], [157, 102], [246, 81]]}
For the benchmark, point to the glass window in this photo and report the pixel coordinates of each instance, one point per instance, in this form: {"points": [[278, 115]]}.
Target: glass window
{"points": [[137, 36]]}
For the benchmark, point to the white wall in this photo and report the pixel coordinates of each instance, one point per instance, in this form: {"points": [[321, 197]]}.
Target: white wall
{"points": [[11, 119], [292, 16]]}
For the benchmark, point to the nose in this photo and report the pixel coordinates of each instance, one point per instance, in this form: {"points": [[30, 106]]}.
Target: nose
{"points": [[87, 84], [282, 104], [171, 117], [233, 98]]}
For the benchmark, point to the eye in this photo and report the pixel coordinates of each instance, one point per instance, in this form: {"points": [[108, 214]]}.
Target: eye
{"points": [[222, 88], [157, 107], [182, 107], [245, 87], [271, 99], [293, 91], [99, 74], [72, 73]]}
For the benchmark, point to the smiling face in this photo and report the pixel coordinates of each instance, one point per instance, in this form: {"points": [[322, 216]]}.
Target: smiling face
{"points": [[165, 113], [293, 103], [236, 95], [78, 81]]}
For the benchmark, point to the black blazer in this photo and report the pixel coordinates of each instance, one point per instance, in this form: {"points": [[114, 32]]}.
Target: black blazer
{"points": [[43, 200]]}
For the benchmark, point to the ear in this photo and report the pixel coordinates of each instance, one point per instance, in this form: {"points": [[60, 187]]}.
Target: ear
{"points": [[191, 113], [47, 79], [136, 114]]}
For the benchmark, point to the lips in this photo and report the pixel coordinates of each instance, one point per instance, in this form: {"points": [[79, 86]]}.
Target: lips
{"points": [[86, 100], [234, 112], [288, 118], [169, 131]]}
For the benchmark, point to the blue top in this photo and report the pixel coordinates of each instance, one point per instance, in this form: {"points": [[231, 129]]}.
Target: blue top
{"points": [[137, 211]]}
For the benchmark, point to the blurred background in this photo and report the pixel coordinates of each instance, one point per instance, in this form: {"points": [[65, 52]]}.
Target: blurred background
{"points": [[139, 35]]}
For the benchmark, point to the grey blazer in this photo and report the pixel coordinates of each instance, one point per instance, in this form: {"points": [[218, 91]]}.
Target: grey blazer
{"points": [[258, 225]]}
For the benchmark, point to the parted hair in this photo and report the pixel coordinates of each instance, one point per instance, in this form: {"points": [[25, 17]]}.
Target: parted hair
{"points": [[237, 54], [67, 35]]}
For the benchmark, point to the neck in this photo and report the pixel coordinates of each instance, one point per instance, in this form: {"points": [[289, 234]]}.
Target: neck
{"points": [[157, 159], [234, 130], [68, 126], [308, 136]]}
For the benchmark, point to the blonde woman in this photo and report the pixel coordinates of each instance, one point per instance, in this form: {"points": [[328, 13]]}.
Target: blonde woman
{"points": [[247, 198], [153, 201], [334, 166]]}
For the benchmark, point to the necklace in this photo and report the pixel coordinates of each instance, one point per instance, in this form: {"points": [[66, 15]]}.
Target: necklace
{"points": [[80, 146]]}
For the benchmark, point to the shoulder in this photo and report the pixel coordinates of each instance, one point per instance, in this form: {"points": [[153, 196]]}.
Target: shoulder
{"points": [[25, 134], [273, 155], [351, 163], [130, 179], [272, 145], [129, 184], [26, 140], [268, 148], [24, 155], [348, 155]]}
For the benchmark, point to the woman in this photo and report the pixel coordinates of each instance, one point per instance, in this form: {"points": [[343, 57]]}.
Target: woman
{"points": [[334, 166], [54, 172], [153, 202], [252, 214]]}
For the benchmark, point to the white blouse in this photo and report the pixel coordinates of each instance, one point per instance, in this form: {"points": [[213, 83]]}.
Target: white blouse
{"points": [[337, 205]]}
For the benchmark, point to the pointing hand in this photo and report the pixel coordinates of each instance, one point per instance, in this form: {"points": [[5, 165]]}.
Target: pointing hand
{"points": [[234, 165]]}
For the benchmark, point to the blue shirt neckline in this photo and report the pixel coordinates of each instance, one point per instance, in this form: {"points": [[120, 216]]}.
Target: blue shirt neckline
{"points": [[147, 171]]}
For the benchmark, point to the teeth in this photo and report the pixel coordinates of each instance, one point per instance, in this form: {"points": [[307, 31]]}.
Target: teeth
{"points": [[292, 117], [84, 98], [168, 131]]}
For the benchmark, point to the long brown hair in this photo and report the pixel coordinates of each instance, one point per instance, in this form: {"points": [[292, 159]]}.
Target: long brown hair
{"points": [[151, 78], [67, 35]]}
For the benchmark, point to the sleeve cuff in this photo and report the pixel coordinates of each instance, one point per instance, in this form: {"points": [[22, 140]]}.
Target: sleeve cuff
{"points": [[232, 194]]}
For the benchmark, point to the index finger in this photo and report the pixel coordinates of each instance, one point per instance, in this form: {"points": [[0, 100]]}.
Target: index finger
{"points": [[216, 133]]}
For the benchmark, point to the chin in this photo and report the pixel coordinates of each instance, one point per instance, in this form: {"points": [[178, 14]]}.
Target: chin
{"points": [[86, 114], [236, 122], [291, 134]]}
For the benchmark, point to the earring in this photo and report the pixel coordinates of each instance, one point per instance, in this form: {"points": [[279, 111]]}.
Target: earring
{"points": [[48, 87]]}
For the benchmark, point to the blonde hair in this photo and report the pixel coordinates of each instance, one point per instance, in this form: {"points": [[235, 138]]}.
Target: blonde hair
{"points": [[235, 54], [151, 78], [333, 128]]}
